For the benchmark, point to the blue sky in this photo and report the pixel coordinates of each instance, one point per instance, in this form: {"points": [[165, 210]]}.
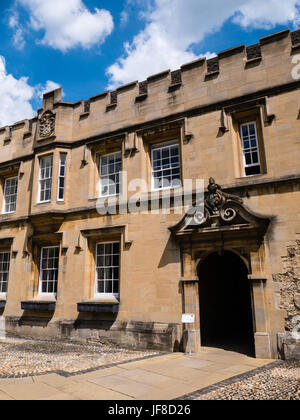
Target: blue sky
{"points": [[88, 46]]}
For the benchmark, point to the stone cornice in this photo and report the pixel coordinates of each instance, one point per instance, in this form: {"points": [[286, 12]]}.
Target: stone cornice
{"points": [[237, 187]]}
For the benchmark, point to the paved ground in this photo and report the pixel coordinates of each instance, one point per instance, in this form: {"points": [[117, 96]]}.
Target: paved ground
{"points": [[163, 377]]}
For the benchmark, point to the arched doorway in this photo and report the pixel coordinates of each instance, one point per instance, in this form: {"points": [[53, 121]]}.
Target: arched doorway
{"points": [[226, 317]]}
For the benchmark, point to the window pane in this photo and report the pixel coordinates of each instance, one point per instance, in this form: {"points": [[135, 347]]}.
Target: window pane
{"points": [[100, 288], [245, 130], [110, 168], [10, 195], [108, 287], [252, 129], [164, 159], [49, 269], [107, 267], [45, 178], [4, 271], [250, 149], [253, 170]]}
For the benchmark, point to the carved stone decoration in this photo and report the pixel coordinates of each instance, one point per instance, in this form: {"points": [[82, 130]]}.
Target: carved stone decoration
{"points": [[216, 201], [221, 212], [47, 124]]}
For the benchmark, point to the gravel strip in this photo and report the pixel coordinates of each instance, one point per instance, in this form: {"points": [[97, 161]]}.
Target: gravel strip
{"points": [[281, 381], [22, 357]]}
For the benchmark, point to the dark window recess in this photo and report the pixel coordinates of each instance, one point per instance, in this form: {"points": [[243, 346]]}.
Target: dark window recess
{"points": [[213, 65], [2, 304], [113, 98], [295, 36], [98, 307], [143, 88], [254, 52], [176, 77], [87, 106], [253, 170]]}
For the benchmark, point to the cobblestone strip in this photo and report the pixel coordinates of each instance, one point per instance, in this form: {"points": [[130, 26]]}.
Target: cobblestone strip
{"points": [[276, 381], [21, 358]]}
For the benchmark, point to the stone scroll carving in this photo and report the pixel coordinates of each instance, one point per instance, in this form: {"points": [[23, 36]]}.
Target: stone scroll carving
{"points": [[220, 212], [47, 124], [218, 204]]}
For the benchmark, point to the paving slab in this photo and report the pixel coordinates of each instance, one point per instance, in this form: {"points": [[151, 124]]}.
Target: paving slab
{"points": [[60, 397], [29, 391], [52, 379], [5, 397], [168, 393], [124, 386], [92, 391], [97, 374], [145, 377], [164, 377]]}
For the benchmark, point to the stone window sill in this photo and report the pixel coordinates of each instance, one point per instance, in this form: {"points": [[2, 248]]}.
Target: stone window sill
{"points": [[98, 307], [141, 97], [111, 107], [175, 86], [38, 306]]}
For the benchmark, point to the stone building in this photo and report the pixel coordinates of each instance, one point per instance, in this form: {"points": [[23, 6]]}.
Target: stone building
{"points": [[69, 272]]}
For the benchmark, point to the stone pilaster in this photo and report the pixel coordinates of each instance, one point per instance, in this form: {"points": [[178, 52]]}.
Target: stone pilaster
{"points": [[261, 334], [190, 288]]}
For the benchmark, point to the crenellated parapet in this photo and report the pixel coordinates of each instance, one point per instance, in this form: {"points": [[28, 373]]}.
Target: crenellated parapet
{"points": [[238, 74]]}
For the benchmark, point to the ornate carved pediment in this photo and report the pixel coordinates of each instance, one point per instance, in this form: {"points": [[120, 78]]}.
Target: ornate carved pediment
{"points": [[47, 124], [222, 212]]}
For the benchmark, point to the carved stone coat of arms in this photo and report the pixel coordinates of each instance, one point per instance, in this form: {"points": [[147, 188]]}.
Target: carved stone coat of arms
{"points": [[47, 124]]}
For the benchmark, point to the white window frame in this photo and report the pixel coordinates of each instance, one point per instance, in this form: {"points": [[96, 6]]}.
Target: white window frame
{"points": [[5, 197], [44, 179], [4, 294], [62, 166], [245, 165], [106, 295], [105, 176], [162, 146], [41, 293]]}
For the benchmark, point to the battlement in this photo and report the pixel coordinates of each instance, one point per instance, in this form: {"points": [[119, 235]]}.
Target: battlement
{"points": [[233, 73]]}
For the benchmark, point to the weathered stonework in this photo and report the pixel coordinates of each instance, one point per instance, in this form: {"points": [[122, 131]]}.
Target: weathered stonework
{"points": [[251, 219], [289, 284], [47, 124]]}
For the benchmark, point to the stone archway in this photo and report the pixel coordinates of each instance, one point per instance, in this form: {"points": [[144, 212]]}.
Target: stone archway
{"points": [[225, 296], [222, 223]]}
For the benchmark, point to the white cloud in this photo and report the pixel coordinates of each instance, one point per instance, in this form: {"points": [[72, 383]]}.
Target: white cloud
{"points": [[124, 17], [18, 37], [266, 14], [68, 23], [173, 26], [40, 90], [16, 96]]}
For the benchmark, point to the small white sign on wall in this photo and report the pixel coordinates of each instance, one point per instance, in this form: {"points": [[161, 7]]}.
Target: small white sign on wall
{"points": [[2, 328], [188, 318]]}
